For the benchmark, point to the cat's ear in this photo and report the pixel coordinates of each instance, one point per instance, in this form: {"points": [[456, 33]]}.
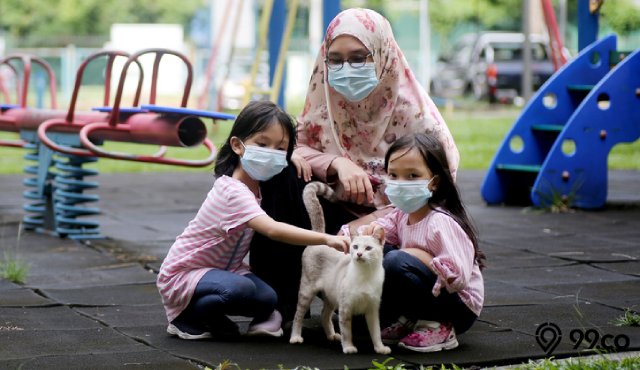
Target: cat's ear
{"points": [[378, 233]]}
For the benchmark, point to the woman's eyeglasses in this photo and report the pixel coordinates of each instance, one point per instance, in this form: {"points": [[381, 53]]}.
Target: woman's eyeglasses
{"points": [[356, 61]]}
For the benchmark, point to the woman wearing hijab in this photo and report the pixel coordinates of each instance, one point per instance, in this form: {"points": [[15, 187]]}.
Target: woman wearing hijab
{"points": [[362, 96]]}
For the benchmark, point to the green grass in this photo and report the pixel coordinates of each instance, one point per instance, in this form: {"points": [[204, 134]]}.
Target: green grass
{"points": [[478, 134], [592, 363], [629, 318], [13, 269], [599, 363]]}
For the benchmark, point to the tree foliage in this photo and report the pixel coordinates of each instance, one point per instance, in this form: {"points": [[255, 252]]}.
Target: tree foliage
{"points": [[488, 14], [44, 18], [621, 15]]}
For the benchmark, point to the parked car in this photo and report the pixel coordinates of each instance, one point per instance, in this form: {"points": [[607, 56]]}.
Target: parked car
{"points": [[489, 66]]}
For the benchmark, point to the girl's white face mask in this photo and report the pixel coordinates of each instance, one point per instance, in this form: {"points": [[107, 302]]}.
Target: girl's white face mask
{"points": [[408, 196], [261, 164]]}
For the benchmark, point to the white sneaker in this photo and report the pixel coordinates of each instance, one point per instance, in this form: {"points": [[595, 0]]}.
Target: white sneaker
{"points": [[173, 330], [271, 327]]}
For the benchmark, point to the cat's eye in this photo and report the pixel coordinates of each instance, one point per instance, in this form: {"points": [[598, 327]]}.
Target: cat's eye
{"points": [[355, 246], [368, 248]]}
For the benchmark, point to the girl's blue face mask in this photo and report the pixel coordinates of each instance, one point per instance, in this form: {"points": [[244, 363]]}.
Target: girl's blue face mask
{"points": [[354, 84], [408, 196], [261, 164]]}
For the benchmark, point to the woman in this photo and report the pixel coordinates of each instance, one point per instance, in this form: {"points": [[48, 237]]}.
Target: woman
{"points": [[362, 96]]}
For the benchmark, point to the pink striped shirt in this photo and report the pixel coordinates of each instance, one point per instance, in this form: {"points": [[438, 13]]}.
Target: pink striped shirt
{"points": [[453, 255], [217, 238]]}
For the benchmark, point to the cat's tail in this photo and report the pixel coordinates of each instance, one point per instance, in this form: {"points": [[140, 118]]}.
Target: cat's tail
{"points": [[310, 196]]}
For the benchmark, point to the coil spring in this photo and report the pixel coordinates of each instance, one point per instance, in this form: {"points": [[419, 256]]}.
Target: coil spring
{"points": [[69, 198], [37, 209]]}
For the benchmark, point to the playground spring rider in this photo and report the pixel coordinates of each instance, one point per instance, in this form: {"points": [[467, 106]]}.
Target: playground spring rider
{"points": [[74, 137]]}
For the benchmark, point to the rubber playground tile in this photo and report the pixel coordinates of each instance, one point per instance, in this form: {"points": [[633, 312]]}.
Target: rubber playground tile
{"points": [[256, 353], [51, 258], [20, 344], [505, 258], [135, 294], [7, 285], [93, 276], [566, 316], [44, 318], [628, 268], [127, 316], [475, 349], [481, 326], [23, 297], [504, 348], [149, 359], [619, 253], [555, 275], [141, 251], [317, 352], [540, 243], [621, 294], [504, 294]]}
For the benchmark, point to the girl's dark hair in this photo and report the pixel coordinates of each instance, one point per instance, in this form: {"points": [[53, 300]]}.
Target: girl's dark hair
{"points": [[257, 116], [446, 194]]}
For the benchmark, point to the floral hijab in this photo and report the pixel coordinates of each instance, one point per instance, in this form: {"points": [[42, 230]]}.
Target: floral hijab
{"points": [[363, 131]]}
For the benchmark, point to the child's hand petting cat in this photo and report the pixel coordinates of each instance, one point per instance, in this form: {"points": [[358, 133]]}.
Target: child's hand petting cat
{"points": [[341, 243]]}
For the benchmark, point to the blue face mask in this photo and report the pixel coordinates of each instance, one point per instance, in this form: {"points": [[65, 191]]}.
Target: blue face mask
{"points": [[261, 164], [354, 84], [408, 196]]}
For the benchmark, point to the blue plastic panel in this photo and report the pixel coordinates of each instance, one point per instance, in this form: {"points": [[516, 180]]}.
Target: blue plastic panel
{"points": [[125, 110], [609, 115], [187, 111], [533, 125]]}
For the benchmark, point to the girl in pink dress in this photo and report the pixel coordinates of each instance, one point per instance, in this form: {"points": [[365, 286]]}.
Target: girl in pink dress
{"points": [[433, 286], [203, 279]]}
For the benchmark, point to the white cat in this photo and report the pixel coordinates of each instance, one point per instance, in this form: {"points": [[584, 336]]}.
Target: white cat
{"points": [[351, 283]]}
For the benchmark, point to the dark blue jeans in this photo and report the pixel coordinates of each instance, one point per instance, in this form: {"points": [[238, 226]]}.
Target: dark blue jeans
{"points": [[407, 292], [220, 293]]}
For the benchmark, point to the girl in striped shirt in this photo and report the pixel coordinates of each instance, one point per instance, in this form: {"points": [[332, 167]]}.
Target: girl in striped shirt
{"points": [[204, 278], [433, 286]]}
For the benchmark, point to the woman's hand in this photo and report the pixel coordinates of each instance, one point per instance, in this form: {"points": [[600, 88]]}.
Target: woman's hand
{"points": [[340, 243], [354, 181], [302, 167]]}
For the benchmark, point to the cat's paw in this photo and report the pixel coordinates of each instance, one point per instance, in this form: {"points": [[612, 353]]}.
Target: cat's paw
{"points": [[296, 339], [335, 337], [383, 350], [349, 349]]}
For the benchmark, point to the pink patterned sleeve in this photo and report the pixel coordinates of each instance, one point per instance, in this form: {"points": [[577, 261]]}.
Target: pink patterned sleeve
{"points": [[318, 160], [454, 255]]}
